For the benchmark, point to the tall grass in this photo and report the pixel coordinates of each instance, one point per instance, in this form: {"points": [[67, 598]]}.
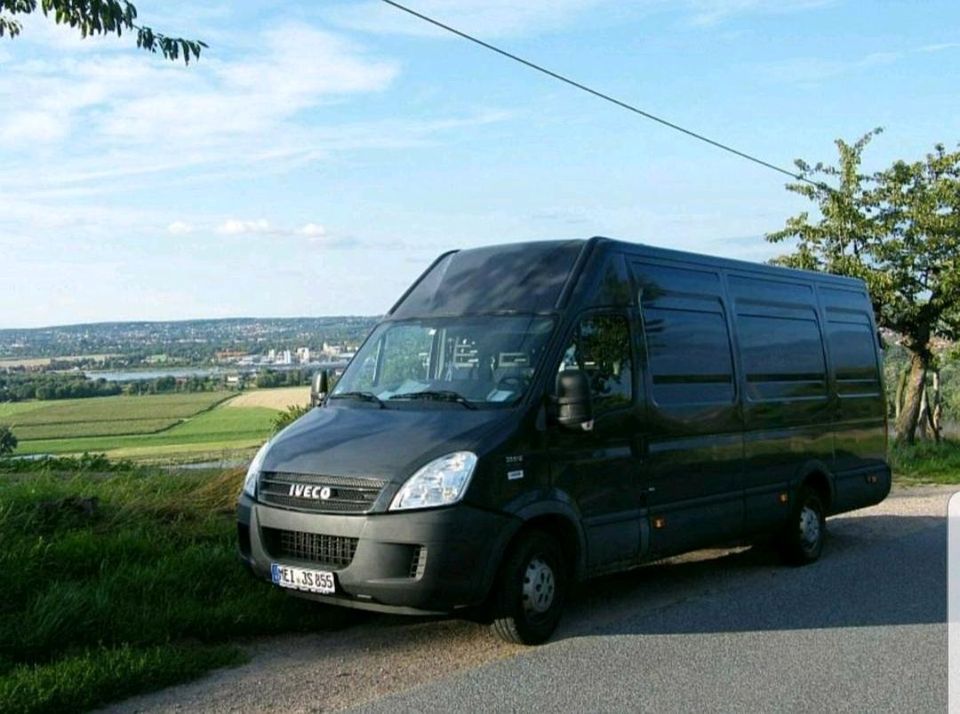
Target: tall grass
{"points": [[101, 602], [927, 461]]}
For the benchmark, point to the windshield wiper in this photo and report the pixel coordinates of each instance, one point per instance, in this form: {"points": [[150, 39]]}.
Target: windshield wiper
{"points": [[363, 396], [439, 395]]}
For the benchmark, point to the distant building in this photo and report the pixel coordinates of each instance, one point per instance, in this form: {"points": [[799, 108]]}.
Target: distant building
{"points": [[230, 355], [287, 357], [303, 355]]}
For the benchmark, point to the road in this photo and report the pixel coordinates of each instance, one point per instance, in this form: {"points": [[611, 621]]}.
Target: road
{"points": [[864, 629]]}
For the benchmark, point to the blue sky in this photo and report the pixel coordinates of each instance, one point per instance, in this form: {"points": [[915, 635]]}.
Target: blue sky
{"points": [[320, 155]]}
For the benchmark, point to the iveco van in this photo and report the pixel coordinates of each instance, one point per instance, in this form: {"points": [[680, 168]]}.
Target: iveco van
{"points": [[527, 416]]}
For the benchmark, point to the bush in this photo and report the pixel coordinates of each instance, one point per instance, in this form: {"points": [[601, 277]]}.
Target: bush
{"points": [[8, 442], [288, 416], [85, 463]]}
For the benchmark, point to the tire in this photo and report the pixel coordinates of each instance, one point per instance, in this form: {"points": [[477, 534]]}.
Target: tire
{"points": [[530, 590], [801, 542]]}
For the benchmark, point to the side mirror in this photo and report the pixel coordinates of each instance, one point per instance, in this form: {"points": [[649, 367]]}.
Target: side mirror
{"points": [[319, 386], [574, 404]]}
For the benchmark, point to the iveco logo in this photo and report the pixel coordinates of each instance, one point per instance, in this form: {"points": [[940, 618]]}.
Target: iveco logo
{"points": [[300, 490]]}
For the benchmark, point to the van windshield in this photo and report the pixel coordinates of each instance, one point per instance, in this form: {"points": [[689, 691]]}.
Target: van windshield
{"points": [[476, 361]]}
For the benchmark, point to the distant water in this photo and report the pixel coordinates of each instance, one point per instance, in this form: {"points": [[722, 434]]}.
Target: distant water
{"points": [[130, 375]]}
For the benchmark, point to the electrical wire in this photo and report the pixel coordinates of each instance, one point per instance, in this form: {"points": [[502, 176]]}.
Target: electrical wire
{"points": [[606, 97]]}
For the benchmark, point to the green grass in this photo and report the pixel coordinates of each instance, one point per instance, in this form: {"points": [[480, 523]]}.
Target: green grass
{"points": [[145, 592], [93, 678], [927, 462], [8, 409], [93, 428], [118, 408], [217, 429]]}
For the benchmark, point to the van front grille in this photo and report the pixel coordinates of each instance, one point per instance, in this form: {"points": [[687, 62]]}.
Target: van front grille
{"points": [[332, 551], [318, 493]]}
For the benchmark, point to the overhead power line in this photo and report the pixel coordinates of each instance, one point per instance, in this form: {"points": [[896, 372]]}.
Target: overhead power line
{"points": [[605, 97]]}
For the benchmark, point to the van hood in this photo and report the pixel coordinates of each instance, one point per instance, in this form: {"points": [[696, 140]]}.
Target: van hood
{"points": [[380, 443]]}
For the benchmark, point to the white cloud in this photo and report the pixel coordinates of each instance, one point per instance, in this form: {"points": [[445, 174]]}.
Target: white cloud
{"points": [[711, 12], [811, 70], [236, 227], [312, 230], [179, 228], [509, 18], [114, 100]]}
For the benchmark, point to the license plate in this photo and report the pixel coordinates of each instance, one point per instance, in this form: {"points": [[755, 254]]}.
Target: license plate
{"points": [[314, 581]]}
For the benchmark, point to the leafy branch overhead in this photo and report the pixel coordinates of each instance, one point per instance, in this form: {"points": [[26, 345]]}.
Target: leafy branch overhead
{"points": [[98, 17]]}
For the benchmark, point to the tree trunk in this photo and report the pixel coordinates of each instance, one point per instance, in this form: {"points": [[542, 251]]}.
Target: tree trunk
{"points": [[901, 388], [906, 425], [934, 406], [923, 420]]}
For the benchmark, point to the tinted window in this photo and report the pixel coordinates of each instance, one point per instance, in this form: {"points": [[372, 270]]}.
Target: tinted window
{"points": [[853, 356], [601, 348], [613, 286], [654, 281], [689, 354], [782, 357], [523, 278]]}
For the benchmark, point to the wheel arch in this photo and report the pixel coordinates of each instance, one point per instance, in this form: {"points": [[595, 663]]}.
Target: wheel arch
{"points": [[555, 516], [816, 475]]}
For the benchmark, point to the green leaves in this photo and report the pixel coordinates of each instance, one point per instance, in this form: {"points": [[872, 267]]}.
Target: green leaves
{"points": [[897, 229], [99, 17]]}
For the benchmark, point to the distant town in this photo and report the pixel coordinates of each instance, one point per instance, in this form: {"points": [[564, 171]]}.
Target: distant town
{"points": [[152, 357]]}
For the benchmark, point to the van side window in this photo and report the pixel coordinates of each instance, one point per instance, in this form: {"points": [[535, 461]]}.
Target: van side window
{"points": [[852, 352], [601, 348], [782, 356], [689, 355]]}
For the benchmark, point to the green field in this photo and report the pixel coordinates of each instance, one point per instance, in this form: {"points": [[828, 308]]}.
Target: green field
{"points": [[172, 427], [99, 409]]}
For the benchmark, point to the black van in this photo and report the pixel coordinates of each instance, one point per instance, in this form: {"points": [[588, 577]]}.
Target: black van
{"points": [[530, 415]]}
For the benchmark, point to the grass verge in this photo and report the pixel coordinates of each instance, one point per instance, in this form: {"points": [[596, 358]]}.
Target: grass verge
{"points": [[927, 462], [138, 589]]}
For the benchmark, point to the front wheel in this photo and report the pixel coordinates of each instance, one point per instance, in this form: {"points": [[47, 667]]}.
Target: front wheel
{"points": [[530, 590], [802, 540]]}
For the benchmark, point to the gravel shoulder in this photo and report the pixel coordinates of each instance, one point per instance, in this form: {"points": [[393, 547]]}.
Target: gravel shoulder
{"points": [[869, 616]]}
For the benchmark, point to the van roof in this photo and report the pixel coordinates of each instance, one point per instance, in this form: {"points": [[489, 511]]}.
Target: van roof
{"points": [[538, 276]]}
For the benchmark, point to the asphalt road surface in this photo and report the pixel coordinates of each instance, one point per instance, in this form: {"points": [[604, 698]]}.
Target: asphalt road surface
{"points": [[864, 629]]}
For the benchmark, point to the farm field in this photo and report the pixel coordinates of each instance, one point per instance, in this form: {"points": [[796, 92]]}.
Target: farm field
{"points": [[172, 427], [279, 398]]}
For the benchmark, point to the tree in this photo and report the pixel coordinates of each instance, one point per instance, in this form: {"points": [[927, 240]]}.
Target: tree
{"points": [[8, 442], [899, 230], [98, 17]]}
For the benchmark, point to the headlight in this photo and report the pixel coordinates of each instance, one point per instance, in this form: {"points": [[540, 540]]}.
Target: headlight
{"points": [[441, 482], [253, 472]]}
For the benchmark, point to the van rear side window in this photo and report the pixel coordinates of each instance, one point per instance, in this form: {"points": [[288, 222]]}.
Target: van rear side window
{"points": [[782, 357], [854, 359], [689, 353]]}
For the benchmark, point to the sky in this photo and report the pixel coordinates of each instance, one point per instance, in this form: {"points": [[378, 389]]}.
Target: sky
{"points": [[320, 155]]}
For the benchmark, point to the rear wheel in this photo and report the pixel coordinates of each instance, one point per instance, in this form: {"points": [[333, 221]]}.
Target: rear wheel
{"points": [[802, 540], [530, 590]]}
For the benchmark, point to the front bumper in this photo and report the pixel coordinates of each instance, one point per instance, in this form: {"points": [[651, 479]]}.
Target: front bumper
{"points": [[430, 561]]}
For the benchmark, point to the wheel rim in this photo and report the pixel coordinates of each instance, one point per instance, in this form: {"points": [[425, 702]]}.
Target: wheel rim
{"points": [[809, 527], [539, 587]]}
